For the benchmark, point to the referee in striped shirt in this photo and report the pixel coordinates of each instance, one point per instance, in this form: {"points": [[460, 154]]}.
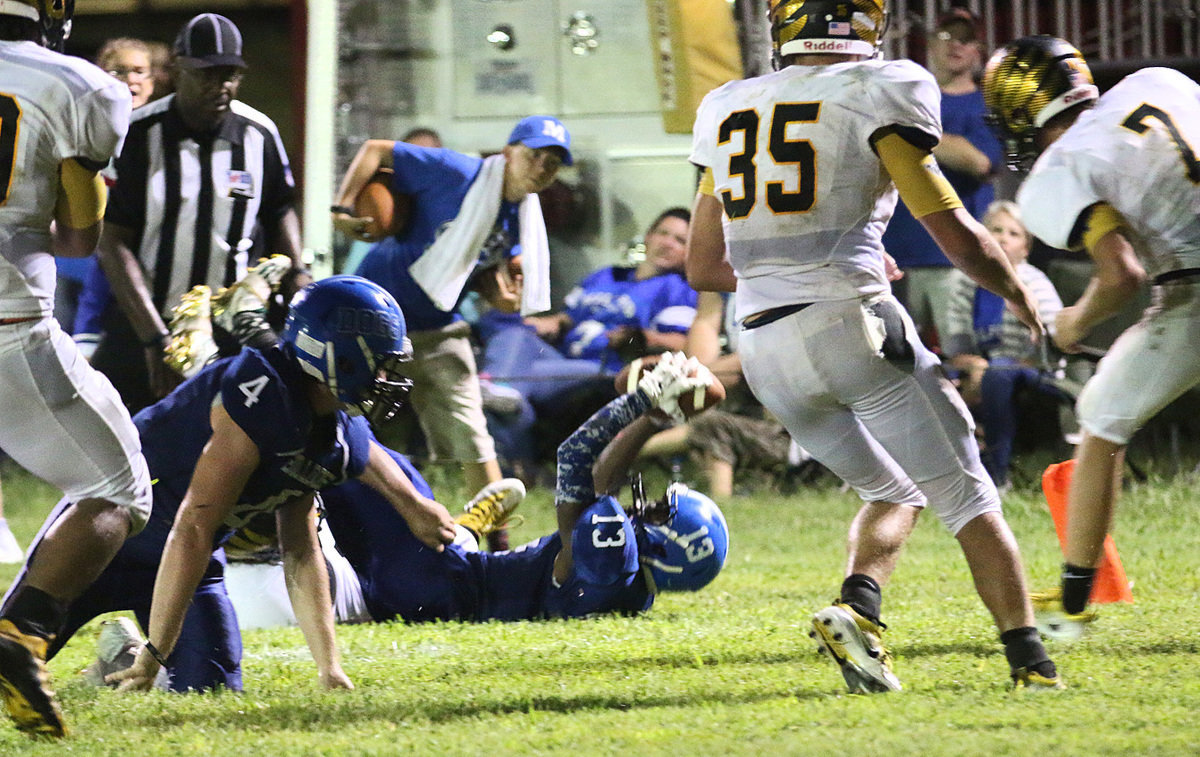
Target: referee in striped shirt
{"points": [[203, 188]]}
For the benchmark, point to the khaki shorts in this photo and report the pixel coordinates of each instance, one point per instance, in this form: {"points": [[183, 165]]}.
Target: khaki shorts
{"points": [[446, 395]]}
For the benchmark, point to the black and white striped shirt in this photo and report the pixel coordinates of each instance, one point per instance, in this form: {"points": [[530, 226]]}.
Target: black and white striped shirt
{"points": [[196, 201]]}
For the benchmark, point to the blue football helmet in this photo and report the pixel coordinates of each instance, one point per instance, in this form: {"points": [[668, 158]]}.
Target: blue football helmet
{"points": [[349, 334], [682, 538]]}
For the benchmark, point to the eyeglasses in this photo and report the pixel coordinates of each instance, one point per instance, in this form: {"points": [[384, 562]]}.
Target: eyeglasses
{"points": [[962, 38], [130, 74]]}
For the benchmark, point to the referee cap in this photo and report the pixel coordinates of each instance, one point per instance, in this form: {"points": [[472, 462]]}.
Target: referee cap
{"points": [[542, 131], [209, 40]]}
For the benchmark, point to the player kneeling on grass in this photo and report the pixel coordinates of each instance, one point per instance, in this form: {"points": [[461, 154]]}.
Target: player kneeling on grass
{"points": [[259, 432]]}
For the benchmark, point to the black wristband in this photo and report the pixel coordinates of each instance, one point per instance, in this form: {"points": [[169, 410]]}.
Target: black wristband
{"points": [[341, 209], [158, 340], [157, 655]]}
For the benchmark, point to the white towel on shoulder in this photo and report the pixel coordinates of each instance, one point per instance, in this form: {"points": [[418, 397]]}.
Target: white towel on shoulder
{"points": [[446, 265]]}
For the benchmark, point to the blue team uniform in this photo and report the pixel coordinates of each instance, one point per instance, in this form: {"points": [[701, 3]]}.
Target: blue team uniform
{"points": [[438, 180], [613, 297], [402, 578], [300, 453]]}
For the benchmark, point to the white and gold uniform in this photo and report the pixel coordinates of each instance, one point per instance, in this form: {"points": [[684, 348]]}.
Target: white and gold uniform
{"points": [[1133, 153], [795, 159], [62, 420]]}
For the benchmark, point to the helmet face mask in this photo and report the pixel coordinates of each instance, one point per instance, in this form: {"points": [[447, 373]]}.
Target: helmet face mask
{"points": [[1026, 84], [349, 334], [384, 397], [682, 539], [53, 17], [850, 27]]}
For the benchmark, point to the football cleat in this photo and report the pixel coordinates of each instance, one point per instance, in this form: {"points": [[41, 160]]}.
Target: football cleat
{"points": [[1025, 679], [492, 508], [855, 643], [24, 683], [1054, 622], [190, 345], [251, 292]]}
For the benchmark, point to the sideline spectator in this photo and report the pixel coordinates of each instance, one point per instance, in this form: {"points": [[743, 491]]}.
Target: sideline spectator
{"points": [[421, 136], [465, 211], [990, 349], [968, 154], [614, 315], [160, 65], [198, 159]]}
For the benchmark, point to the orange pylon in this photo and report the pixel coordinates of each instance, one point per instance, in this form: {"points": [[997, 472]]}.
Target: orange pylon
{"points": [[1111, 583]]}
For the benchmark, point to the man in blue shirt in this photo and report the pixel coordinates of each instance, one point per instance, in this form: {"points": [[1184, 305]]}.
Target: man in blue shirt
{"points": [[968, 155], [464, 211]]}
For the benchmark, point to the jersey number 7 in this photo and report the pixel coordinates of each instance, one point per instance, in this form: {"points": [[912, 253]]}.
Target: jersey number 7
{"points": [[10, 127], [1136, 122], [782, 151]]}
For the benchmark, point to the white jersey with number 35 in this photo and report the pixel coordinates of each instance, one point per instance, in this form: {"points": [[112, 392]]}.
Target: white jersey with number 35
{"points": [[1137, 151], [52, 107], [806, 199]]}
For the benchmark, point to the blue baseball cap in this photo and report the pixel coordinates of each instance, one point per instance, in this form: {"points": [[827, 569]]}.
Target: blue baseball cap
{"points": [[542, 131]]}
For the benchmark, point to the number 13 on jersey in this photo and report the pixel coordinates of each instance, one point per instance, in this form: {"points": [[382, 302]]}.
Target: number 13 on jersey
{"points": [[790, 196]]}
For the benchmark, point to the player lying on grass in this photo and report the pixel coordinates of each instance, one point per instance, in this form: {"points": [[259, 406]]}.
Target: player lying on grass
{"points": [[619, 557], [255, 433]]}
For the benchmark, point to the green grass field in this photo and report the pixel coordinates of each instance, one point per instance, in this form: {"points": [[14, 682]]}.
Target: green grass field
{"points": [[729, 670]]}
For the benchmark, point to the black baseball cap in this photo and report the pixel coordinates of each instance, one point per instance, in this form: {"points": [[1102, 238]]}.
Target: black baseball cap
{"points": [[209, 40]]}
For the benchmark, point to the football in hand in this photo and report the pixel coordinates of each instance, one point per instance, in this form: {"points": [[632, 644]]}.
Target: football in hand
{"points": [[691, 402], [387, 210]]}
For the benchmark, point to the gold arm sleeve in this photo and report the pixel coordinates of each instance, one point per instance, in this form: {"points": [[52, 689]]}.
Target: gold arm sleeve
{"points": [[1100, 219], [708, 184], [922, 186], [81, 196]]}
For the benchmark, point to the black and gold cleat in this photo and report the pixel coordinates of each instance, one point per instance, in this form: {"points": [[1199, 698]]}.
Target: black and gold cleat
{"points": [[24, 683], [492, 507]]}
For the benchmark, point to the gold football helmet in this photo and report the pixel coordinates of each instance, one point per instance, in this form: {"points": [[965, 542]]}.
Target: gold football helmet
{"points": [[53, 18], [854, 27], [1027, 83]]}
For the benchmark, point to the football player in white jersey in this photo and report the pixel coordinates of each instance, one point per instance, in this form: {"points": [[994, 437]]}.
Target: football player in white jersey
{"points": [[1119, 177], [801, 173], [61, 120]]}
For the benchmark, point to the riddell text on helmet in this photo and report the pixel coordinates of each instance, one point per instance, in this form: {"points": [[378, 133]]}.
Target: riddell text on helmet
{"points": [[825, 45]]}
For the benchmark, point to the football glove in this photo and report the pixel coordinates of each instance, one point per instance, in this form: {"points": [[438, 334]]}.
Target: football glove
{"points": [[672, 377]]}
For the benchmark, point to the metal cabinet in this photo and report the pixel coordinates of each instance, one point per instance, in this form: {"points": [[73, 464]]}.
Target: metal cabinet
{"points": [[515, 57]]}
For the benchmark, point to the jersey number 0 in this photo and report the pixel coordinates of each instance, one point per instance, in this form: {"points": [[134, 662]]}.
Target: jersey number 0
{"points": [[782, 151]]}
